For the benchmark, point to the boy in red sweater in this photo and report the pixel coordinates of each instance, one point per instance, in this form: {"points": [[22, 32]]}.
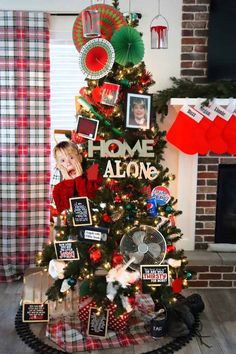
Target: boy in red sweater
{"points": [[75, 183]]}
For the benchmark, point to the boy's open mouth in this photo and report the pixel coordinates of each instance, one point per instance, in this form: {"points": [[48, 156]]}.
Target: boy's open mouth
{"points": [[72, 173]]}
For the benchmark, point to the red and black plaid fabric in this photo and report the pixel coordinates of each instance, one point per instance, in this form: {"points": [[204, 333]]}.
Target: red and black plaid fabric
{"points": [[25, 139], [68, 332]]}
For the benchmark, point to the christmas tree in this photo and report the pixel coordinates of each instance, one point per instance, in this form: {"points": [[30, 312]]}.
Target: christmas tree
{"points": [[131, 226]]}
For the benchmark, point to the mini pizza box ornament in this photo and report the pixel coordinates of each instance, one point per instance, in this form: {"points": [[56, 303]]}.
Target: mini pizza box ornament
{"points": [[162, 195]]}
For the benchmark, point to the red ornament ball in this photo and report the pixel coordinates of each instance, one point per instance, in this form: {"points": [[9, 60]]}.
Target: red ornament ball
{"points": [[53, 211], [77, 139], [177, 285], [117, 259], [95, 256], [170, 248], [106, 218]]}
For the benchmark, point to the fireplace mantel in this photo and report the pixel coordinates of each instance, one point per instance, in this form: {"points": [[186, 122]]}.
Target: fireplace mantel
{"points": [[194, 101], [185, 168]]}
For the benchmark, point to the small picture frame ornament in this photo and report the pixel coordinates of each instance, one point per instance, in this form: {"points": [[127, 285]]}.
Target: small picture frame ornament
{"points": [[87, 127], [110, 93]]}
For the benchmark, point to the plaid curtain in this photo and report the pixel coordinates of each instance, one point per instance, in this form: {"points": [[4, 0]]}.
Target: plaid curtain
{"points": [[25, 139]]}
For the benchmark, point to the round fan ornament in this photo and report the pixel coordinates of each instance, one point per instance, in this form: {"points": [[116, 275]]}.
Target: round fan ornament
{"points": [[111, 20], [96, 58], [145, 245], [128, 45]]}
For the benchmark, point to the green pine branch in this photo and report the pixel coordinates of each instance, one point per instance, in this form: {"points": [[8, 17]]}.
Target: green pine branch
{"points": [[184, 88]]}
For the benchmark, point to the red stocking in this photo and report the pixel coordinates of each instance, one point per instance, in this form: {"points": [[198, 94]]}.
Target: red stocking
{"points": [[215, 132], [185, 133], [229, 132], [205, 122]]}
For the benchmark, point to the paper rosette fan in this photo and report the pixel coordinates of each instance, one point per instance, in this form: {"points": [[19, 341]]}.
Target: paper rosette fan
{"points": [[111, 20], [145, 245], [96, 58], [128, 45]]}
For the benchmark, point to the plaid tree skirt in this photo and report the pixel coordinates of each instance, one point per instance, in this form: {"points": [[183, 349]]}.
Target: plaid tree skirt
{"points": [[66, 331], [25, 139]]}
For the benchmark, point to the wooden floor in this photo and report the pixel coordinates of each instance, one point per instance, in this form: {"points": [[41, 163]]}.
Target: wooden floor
{"points": [[218, 321]]}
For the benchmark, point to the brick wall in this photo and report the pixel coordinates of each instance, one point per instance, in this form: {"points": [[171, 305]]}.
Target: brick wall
{"points": [[194, 40], [213, 276], [206, 197], [194, 67]]}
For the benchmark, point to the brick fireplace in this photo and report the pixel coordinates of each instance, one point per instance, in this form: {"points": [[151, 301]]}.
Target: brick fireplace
{"points": [[194, 66], [206, 197], [213, 269]]}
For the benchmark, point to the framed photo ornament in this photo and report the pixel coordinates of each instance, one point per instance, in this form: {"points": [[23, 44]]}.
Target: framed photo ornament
{"points": [[87, 127], [138, 111]]}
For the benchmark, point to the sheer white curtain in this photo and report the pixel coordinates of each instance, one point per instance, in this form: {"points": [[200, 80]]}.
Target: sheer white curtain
{"points": [[66, 77]]}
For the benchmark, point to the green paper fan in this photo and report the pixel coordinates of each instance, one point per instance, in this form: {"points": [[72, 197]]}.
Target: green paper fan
{"points": [[128, 46]]}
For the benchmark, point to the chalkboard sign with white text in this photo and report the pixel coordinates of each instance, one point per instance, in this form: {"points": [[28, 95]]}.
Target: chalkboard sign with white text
{"points": [[66, 250], [97, 324], [155, 275], [35, 312], [81, 211]]}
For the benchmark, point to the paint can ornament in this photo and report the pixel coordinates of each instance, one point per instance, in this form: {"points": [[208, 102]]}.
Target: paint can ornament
{"points": [[91, 23]]}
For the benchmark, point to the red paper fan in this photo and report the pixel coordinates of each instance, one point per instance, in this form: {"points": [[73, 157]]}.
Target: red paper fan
{"points": [[111, 20], [96, 58]]}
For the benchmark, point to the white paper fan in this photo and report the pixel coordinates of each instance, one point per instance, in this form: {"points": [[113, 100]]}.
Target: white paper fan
{"points": [[145, 245]]}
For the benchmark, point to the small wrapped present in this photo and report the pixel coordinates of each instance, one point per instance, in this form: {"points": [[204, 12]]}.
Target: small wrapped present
{"points": [[117, 324], [145, 304]]}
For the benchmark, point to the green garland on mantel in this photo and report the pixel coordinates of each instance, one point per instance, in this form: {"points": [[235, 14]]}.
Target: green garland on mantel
{"points": [[182, 88]]}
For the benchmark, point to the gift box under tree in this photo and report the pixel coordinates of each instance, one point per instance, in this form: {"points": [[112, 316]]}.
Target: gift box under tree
{"points": [[115, 323]]}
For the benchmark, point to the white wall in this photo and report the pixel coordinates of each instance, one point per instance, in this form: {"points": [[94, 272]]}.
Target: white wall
{"points": [[162, 63]]}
